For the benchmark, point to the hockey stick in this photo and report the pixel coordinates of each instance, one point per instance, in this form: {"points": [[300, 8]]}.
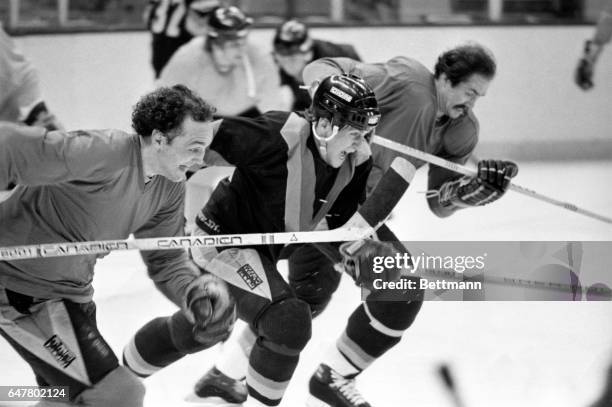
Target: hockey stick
{"points": [[178, 242], [449, 383], [450, 274], [461, 169]]}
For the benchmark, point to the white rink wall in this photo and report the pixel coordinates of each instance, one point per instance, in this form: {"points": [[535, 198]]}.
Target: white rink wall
{"points": [[92, 80]]}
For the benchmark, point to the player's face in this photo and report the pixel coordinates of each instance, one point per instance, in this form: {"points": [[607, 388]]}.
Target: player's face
{"points": [[347, 141], [461, 97], [186, 149], [293, 64], [228, 54]]}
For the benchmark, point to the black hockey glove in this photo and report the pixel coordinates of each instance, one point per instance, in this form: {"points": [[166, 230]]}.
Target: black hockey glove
{"points": [[362, 261], [212, 309], [489, 185], [584, 74], [586, 65]]}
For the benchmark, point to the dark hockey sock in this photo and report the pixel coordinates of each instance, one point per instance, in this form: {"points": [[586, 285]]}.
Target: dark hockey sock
{"points": [[373, 329], [269, 374], [283, 330], [151, 349]]}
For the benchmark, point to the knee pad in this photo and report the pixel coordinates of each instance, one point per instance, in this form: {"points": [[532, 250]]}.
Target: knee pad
{"points": [[285, 326], [119, 388], [313, 278], [317, 291]]}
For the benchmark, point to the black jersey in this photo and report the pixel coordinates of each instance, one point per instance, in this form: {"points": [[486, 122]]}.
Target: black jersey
{"points": [[281, 183], [320, 49], [165, 20]]}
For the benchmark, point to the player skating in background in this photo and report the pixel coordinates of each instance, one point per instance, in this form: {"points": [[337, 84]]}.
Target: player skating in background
{"points": [[173, 23], [21, 99], [292, 173], [593, 48], [99, 185], [294, 48], [236, 77]]}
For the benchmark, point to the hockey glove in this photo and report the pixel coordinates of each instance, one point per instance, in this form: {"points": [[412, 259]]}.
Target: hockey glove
{"points": [[489, 185], [211, 308], [362, 261], [584, 74], [586, 65]]}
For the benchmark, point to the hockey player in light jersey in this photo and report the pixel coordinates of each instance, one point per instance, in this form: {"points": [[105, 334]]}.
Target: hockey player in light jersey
{"points": [[21, 99], [233, 75], [101, 185], [292, 174]]}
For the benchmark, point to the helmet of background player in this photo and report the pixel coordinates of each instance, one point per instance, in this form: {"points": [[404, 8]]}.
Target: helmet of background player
{"points": [[292, 37], [351, 114], [196, 22], [228, 23], [226, 35], [292, 47]]}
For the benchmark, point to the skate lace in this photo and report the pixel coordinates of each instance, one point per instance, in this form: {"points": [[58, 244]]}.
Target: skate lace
{"points": [[347, 388]]}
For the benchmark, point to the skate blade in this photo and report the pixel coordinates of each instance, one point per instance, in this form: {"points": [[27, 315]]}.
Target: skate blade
{"points": [[196, 401], [312, 401]]}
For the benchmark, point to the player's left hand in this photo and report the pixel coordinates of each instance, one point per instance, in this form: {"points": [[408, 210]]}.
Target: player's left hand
{"points": [[212, 309], [359, 258], [584, 74], [497, 173]]}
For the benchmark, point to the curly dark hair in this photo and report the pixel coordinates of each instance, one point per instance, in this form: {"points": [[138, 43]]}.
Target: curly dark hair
{"points": [[165, 109], [465, 60]]}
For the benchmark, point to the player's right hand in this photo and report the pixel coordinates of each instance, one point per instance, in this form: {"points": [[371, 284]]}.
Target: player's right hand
{"points": [[359, 261], [491, 183], [211, 308]]}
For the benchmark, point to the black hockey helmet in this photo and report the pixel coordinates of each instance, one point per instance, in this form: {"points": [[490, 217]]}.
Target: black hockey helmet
{"points": [[228, 23], [291, 38], [346, 100]]}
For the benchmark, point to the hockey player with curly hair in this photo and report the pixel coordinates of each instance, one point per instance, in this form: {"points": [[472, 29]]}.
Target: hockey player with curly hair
{"points": [[101, 185]]}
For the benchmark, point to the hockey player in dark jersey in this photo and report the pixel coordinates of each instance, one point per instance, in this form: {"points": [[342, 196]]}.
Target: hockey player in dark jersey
{"points": [[430, 112], [292, 173], [294, 48]]}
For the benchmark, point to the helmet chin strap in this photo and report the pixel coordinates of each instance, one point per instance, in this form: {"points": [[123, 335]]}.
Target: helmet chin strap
{"points": [[324, 140]]}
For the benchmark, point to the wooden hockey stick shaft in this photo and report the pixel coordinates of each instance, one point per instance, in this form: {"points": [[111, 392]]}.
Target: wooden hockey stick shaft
{"points": [[179, 242], [461, 169]]}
